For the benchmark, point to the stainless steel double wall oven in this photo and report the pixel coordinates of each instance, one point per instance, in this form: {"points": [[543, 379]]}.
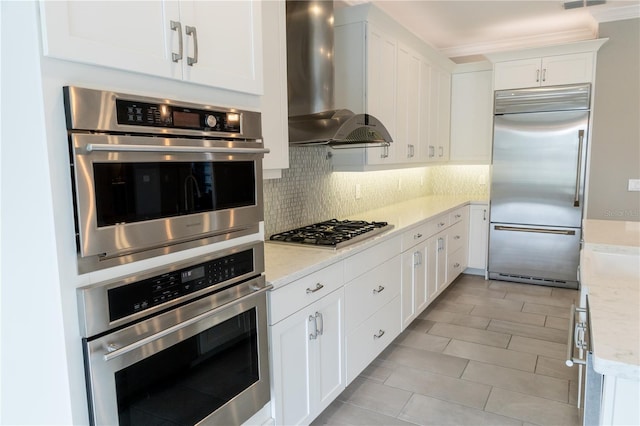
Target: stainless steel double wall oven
{"points": [[153, 175], [185, 343]]}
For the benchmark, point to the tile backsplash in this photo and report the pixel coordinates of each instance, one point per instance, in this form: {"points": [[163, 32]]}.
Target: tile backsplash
{"points": [[309, 191]]}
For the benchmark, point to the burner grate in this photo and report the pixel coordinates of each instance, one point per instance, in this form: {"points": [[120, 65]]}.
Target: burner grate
{"points": [[332, 233]]}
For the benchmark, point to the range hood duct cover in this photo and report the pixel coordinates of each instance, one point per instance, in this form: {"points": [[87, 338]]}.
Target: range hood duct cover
{"points": [[312, 117]]}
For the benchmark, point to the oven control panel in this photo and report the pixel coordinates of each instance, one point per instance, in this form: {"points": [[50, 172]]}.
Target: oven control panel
{"points": [[134, 113], [136, 297]]}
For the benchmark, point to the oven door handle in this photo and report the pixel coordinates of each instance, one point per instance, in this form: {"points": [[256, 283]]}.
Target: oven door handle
{"points": [[114, 351], [178, 149]]}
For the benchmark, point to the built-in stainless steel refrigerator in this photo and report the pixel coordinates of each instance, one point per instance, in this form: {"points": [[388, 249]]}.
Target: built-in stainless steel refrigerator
{"points": [[538, 178]]}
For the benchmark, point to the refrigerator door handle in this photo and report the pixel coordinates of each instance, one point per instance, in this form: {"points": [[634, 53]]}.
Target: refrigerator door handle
{"points": [[535, 230], [576, 198]]}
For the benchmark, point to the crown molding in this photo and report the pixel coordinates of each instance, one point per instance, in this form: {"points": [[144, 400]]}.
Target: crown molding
{"points": [[615, 14], [516, 43]]}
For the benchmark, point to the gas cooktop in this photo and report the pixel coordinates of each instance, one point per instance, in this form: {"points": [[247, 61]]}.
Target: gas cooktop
{"points": [[332, 233]]}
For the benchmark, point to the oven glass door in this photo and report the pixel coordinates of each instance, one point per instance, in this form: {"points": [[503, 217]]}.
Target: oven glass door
{"points": [[135, 193], [213, 370]]}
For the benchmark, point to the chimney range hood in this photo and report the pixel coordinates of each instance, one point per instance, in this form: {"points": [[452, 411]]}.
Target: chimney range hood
{"points": [[312, 117]]}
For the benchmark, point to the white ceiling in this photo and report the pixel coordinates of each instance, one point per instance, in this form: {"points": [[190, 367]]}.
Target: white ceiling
{"points": [[465, 28]]}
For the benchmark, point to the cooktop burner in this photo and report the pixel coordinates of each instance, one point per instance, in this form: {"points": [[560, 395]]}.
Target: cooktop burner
{"points": [[332, 233]]}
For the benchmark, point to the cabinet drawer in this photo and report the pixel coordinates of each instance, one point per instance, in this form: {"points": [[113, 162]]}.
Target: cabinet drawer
{"points": [[371, 337], [458, 215], [418, 234], [368, 259], [441, 222], [457, 236], [456, 263], [371, 291], [300, 293]]}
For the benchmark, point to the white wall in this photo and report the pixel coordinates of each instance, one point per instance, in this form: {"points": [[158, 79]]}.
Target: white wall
{"points": [[33, 371]]}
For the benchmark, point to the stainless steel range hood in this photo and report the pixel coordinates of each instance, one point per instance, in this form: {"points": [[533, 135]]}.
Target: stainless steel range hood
{"points": [[312, 117]]}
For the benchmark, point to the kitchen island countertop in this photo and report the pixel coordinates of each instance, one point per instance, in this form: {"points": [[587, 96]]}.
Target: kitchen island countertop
{"points": [[610, 276], [286, 263]]}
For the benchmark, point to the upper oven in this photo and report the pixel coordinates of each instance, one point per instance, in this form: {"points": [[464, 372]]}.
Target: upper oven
{"points": [[152, 176]]}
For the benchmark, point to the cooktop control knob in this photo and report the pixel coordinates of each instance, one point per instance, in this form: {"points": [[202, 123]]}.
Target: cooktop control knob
{"points": [[211, 120]]}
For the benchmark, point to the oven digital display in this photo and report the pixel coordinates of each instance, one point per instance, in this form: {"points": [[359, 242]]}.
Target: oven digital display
{"points": [[186, 119], [192, 274]]}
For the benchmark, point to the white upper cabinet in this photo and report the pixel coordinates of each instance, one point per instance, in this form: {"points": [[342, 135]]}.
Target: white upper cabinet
{"points": [[383, 70], [274, 107], [192, 41], [471, 117], [549, 71], [546, 66]]}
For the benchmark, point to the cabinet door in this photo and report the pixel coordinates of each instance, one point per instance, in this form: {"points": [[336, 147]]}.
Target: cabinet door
{"points": [[471, 117], [381, 89], [432, 267], [439, 111], [228, 40], [423, 151], [517, 74], [441, 262], [408, 105], [407, 291], [132, 35], [292, 343], [275, 124], [567, 69], [330, 372], [420, 280], [478, 236]]}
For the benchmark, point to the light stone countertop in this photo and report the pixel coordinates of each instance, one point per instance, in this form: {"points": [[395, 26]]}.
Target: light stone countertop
{"points": [[286, 263], [610, 276]]}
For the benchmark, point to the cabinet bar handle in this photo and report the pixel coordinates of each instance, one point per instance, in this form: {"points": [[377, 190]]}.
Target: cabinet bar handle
{"points": [[536, 230], [318, 287], [440, 151], [432, 151], [380, 289], [177, 26], [321, 328], [456, 265], [538, 76], [314, 335], [441, 224], [416, 236], [192, 31], [379, 335], [484, 214], [576, 198], [457, 237], [544, 74]]}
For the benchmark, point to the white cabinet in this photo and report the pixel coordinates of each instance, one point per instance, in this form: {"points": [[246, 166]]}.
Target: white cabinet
{"points": [[274, 107], [365, 82], [383, 70], [307, 358], [471, 117], [372, 301], [440, 115], [193, 41], [478, 236], [545, 71], [434, 254]]}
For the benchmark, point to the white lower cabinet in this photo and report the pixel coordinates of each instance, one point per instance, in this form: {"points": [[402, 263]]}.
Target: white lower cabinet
{"points": [[307, 359], [478, 236]]}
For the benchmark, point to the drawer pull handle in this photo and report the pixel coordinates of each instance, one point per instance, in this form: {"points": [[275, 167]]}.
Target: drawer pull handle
{"points": [[441, 224], [378, 290], [416, 236], [457, 237], [379, 335], [456, 265], [318, 287], [458, 216]]}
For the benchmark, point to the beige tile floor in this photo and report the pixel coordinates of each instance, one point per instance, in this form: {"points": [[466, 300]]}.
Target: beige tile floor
{"points": [[484, 353]]}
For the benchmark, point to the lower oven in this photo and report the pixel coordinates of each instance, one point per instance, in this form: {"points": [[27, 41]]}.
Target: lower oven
{"points": [[182, 345]]}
